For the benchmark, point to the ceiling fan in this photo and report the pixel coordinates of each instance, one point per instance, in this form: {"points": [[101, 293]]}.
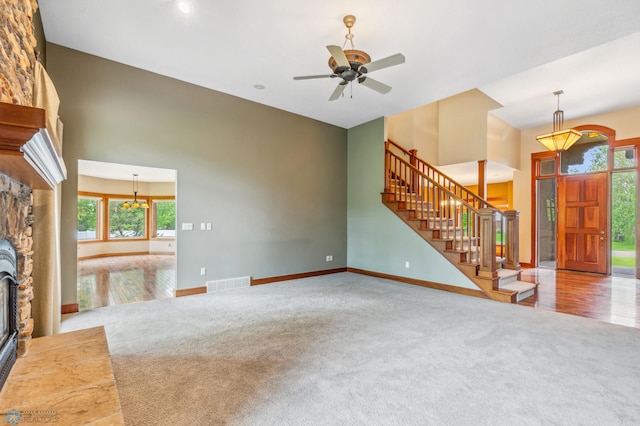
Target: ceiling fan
{"points": [[351, 64]]}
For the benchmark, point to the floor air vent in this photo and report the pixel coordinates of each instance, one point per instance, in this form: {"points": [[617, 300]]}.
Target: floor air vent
{"points": [[228, 283]]}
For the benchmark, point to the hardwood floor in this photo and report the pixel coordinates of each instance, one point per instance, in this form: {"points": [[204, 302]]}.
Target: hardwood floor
{"points": [[125, 279], [613, 299], [128, 279]]}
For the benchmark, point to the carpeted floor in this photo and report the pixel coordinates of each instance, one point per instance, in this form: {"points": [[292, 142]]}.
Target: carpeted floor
{"points": [[347, 349]]}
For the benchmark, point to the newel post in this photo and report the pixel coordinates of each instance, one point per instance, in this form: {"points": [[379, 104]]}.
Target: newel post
{"points": [[488, 265], [512, 256]]}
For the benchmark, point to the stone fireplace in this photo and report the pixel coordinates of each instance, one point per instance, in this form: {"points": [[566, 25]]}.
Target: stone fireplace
{"points": [[28, 161]]}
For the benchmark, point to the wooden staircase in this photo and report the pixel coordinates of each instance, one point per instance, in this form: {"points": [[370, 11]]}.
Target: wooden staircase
{"points": [[479, 239]]}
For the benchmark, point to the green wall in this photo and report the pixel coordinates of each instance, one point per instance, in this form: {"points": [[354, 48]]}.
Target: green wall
{"points": [[272, 183], [378, 240]]}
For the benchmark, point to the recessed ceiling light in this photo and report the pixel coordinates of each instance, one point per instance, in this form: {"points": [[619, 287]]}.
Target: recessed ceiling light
{"points": [[185, 6], [259, 86]]}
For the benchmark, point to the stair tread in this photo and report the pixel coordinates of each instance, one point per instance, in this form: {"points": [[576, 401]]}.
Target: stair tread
{"points": [[519, 286], [461, 250], [506, 273]]}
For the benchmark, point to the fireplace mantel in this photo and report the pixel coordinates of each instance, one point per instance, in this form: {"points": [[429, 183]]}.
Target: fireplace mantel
{"points": [[27, 153]]}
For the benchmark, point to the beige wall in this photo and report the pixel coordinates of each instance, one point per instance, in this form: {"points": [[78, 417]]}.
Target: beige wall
{"points": [[626, 123], [417, 129], [436, 131], [463, 122], [503, 142]]}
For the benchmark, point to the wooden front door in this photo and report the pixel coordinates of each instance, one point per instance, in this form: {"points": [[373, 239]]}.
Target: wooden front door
{"points": [[583, 202]]}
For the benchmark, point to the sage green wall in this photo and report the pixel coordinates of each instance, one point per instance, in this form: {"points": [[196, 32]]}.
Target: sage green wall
{"points": [[378, 240], [272, 183]]}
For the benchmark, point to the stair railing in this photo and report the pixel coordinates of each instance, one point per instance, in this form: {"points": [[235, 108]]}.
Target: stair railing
{"points": [[438, 176], [469, 224]]}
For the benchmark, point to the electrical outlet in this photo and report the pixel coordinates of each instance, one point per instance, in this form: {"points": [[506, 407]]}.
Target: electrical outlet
{"points": [[203, 271], [203, 226], [330, 258], [208, 226], [406, 264]]}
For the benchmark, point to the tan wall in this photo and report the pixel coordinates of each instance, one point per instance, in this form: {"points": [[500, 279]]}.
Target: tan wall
{"points": [[462, 121], [437, 129], [400, 128], [503, 142], [624, 122], [417, 129]]}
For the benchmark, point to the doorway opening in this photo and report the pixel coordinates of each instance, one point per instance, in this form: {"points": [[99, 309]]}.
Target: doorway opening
{"points": [[546, 220], [126, 234], [586, 205]]}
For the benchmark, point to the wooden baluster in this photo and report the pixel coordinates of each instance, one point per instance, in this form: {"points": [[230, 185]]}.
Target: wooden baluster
{"points": [[464, 226], [412, 161], [398, 177]]}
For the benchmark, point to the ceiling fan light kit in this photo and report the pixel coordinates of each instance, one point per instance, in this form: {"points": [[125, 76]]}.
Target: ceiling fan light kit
{"points": [[349, 65]]}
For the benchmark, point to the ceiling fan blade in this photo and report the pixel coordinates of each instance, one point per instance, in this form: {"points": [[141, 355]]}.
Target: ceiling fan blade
{"points": [[309, 77], [387, 62], [375, 85], [336, 93], [339, 56]]}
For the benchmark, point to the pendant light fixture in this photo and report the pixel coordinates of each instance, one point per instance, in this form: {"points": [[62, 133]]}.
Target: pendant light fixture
{"points": [[559, 139], [135, 204]]}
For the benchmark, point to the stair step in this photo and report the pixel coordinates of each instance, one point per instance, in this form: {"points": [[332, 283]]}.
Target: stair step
{"points": [[507, 276], [462, 251], [524, 289]]}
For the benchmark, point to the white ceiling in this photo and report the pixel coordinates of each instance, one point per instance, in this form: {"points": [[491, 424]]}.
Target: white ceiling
{"points": [[116, 171], [517, 51], [467, 173]]}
